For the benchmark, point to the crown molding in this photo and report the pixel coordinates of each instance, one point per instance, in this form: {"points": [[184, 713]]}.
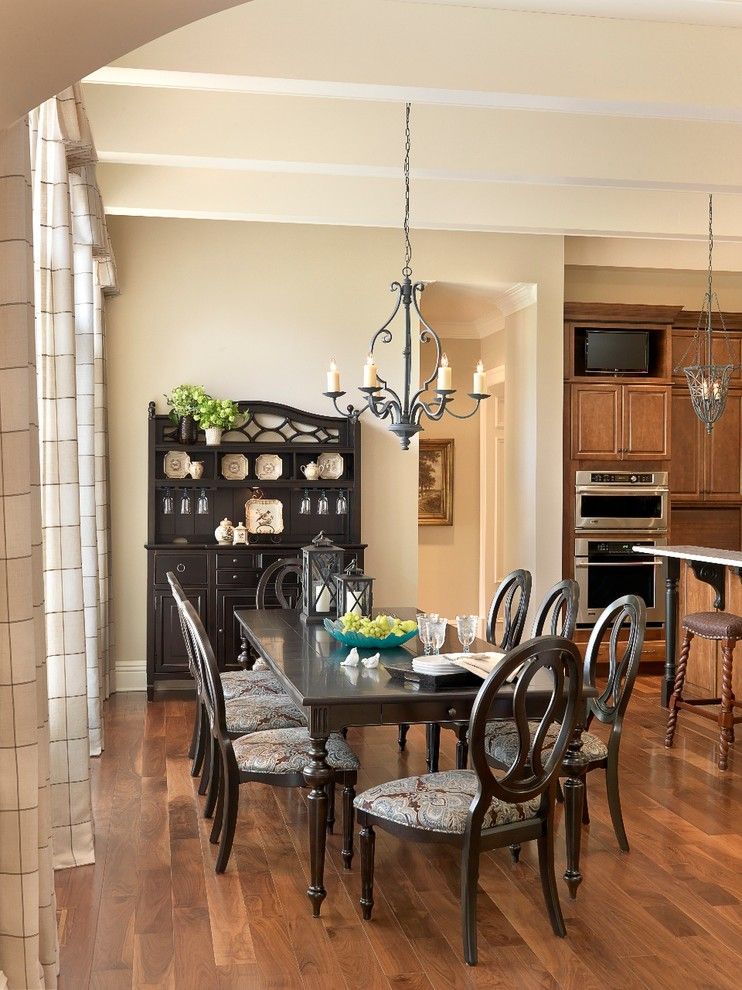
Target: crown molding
{"points": [[384, 93], [517, 297]]}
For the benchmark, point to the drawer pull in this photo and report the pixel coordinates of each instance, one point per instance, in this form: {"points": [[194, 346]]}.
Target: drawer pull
{"points": [[452, 712], [235, 577], [180, 568], [235, 561]]}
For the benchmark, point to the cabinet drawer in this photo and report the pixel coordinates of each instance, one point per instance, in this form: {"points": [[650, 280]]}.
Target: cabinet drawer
{"points": [[189, 568], [237, 577], [236, 559]]}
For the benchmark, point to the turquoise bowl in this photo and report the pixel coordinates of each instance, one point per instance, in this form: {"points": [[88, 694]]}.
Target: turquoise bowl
{"points": [[366, 642]]}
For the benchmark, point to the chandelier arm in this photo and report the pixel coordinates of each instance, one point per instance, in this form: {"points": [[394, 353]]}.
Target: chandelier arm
{"points": [[351, 412], [384, 332], [445, 400], [426, 334]]}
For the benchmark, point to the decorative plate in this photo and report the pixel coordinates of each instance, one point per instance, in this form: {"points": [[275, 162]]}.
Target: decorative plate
{"points": [[235, 467], [268, 467], [331, 466], [264, 516], [366, 642], [176, 464]]}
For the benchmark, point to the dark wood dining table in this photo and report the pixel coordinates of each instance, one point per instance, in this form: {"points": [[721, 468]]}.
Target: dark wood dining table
{"points": [[307, 660]]}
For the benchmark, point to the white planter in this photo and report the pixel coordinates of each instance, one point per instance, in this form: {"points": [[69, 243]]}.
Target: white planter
{"points": [[213, 436]]}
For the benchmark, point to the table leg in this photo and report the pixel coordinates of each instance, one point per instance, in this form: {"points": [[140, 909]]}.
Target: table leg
{"points": [[671, 627], [318, 776], [574, 767]]}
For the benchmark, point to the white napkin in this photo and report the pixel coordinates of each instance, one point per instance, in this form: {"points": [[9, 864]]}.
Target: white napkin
{"points": [[371, 662], [352, 659]]}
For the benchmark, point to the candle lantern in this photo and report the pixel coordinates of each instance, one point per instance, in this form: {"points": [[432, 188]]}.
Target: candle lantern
{"points": [[320, 562], [355, 591]]}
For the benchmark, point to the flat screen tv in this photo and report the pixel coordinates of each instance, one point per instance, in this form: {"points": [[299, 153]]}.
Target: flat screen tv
{"points": [[617, 352]]}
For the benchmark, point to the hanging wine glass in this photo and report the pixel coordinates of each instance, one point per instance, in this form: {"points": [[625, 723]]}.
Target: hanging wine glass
{"points": [[305, 506], [341, 505], [323, 505], [202, 505], [185, 504], [168, 503]]}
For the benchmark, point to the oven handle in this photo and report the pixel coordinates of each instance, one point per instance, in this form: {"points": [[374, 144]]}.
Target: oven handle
{"points": [[616, 490], [619, 563]]}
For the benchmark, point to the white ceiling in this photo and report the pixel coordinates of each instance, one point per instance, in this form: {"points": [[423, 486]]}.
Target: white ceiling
{"points": [[522, 121]]}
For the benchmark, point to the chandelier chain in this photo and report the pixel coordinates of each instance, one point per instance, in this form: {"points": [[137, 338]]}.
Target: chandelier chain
{"points": [[711, 244], [407, 270]]}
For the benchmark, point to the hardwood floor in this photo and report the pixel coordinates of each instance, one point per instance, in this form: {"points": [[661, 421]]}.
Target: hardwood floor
{"points": [[152, 913]]}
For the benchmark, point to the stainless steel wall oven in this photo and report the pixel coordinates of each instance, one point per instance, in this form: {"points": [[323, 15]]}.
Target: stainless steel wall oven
{"points": [[621, 501], [606, 568]]}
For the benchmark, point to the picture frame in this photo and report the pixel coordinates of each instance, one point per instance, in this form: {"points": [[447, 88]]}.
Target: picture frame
{"points": [[435, 483]]}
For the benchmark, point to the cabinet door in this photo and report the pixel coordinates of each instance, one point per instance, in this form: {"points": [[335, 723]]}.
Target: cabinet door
{"points": [[646, 422], [686, 465], [228, 639], [722, 460], [170, 651], [596, 422]]}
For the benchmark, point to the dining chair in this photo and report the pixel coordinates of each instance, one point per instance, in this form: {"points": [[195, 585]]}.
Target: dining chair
{"points": [[477, 809], [276, 756], [623, 624], [280, 582], [507, 611], [558, 610]]}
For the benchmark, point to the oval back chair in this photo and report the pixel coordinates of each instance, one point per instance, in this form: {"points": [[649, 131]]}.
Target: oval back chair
{"points": [[284, 578], [512, 598], [559, 610]]}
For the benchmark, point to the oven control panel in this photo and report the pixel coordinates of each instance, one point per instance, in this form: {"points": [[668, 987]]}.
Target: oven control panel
{"points": [[621, 478]]}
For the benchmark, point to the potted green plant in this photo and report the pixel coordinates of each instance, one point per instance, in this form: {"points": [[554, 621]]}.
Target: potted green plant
{"points": [[185, 401], [214, 416]]}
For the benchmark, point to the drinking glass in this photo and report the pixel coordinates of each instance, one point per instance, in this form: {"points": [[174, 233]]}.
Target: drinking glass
{"points": [[185, 504], [168, 503], [305, 506], [437, 629], [323, 505], [466, 626], [423, 630], [202, 505], [341, 506]]}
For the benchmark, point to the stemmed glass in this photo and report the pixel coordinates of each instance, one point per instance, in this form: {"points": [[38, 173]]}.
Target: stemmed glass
{"points": [[437, 628], [466, 626], [423, 630]]}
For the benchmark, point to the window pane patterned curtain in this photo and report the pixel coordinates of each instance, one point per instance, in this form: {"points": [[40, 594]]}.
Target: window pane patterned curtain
{"points": [[28, 933], [71, 253]]}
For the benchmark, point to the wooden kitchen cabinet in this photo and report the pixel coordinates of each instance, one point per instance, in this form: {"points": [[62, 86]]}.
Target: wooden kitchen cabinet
{"points": [[706, 467], [620, 422]]}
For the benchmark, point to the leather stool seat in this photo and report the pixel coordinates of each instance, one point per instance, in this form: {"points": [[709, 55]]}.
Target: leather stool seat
{"points": [[714, 625]]}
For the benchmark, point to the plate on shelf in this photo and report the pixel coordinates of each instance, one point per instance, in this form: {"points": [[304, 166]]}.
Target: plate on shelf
{"points": [[268, 467], [235, 467], [331, 466], [264, 516], [176, 464]]}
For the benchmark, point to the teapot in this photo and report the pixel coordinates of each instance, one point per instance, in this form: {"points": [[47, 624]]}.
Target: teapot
{"points": [[310, 471]]}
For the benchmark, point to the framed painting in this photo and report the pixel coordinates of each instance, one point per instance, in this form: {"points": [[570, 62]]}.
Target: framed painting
{"points": [[435, 483]]}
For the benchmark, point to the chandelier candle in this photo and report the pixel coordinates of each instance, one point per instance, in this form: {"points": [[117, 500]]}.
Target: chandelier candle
{"points": [[406, 408]]}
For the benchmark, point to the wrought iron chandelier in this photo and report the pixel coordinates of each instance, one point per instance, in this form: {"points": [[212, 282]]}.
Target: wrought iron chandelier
{"points": [[708, 382], [406, 411]]}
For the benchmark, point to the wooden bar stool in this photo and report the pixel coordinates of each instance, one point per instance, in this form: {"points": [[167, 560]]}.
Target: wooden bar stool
{"points": [[724, 628]]}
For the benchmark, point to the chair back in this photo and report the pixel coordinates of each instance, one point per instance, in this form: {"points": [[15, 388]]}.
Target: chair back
{"points": [[627, 617], [180, 599], [532, 770], [278, 573], [213, 695], [559, 610], [512, 598]]}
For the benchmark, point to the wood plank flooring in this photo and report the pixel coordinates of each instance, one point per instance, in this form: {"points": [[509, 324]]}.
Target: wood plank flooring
{"points": [[152, 913]]}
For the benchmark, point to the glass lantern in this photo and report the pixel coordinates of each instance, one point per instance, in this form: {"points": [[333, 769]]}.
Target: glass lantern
{"points": [[355, 591], [321, 560]]}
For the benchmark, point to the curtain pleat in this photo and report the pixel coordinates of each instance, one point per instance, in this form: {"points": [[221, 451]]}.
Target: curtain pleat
{"points": [[28, 932]]}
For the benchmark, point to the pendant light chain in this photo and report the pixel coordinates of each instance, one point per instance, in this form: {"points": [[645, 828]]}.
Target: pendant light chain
{"points": [[407, 270]]}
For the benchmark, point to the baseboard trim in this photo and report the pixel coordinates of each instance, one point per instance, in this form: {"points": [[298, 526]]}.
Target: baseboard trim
{"points": [[130, 675]]}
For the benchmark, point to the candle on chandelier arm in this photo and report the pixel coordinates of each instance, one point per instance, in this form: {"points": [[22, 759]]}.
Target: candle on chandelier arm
{"points": [[704, 388], [370, 377], [717, 389], [479, 383], [333, 378], [444, 374]]}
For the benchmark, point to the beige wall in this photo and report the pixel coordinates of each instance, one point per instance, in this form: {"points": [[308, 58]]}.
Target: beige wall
{"points": [[651, 286], [448, 556], [256, 310]]}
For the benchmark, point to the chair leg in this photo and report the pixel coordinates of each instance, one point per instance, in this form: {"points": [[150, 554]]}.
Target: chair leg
{"points": [[331, 806], [195, 734], [349, 793], [469, 881], [559, 792], [515, 852], [402, 736], [368, 845], [462, 746], [200, 751], [433, 739], [213, 790], [231, 805], [726, 715], [545, 844], [677, 691], [614, 801], [585, 810], [206, 772], [219, 812]]}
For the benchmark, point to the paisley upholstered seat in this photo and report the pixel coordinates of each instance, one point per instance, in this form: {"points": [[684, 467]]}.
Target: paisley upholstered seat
{"points": [[438, 802], [259, 712], [288, 751], [241, 683], [501, 742]]}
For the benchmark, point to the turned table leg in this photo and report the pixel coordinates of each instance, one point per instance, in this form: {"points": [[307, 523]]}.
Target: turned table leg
{"points": [[318, 776], [671, 627], [574, 767]]}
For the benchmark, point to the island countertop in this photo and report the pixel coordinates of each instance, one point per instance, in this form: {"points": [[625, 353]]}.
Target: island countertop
{"points": [[702, 555]]}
